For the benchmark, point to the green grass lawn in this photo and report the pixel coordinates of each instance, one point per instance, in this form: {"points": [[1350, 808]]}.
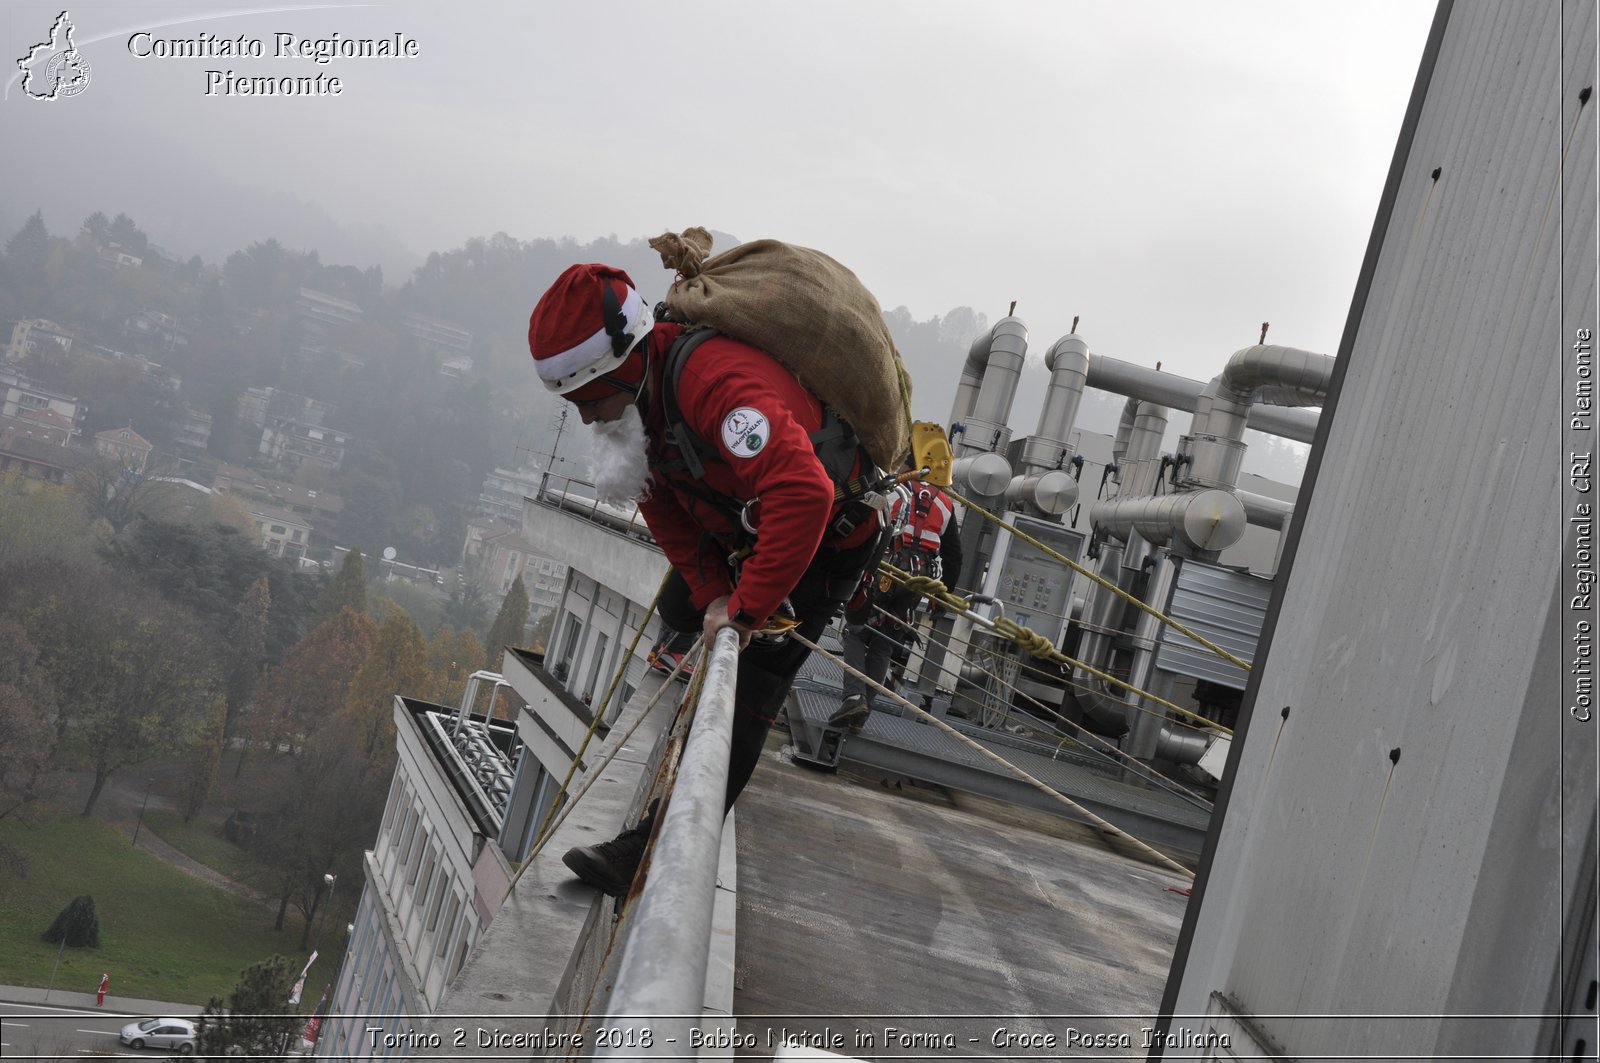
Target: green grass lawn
{"points": [[200, 840], [163, 934]]}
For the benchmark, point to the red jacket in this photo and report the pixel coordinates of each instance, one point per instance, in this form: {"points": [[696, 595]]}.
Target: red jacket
{"points": [[759, 419]]}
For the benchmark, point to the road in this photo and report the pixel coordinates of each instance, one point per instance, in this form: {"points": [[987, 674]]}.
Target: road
{"points": [[47, 1032]]}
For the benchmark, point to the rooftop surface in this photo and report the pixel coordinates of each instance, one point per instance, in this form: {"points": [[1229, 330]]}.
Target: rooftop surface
{"points": [[867, 903]]}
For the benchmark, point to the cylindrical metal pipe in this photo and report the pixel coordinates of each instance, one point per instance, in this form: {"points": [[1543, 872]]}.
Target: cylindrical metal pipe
{"points": [[661, 980], [1045, 494], [1144, 721], [987, 422], [1286, 376], [1214, 447], [1182, 747], [1211, 461], [1049, 447], [982, 474], [1149, 429], [1263, 511], [971, 377], [1181, 393], [1199, 520], [1102, 619]]}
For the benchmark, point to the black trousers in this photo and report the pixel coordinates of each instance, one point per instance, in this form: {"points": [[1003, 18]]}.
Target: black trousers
{"points": [[766, 670]]}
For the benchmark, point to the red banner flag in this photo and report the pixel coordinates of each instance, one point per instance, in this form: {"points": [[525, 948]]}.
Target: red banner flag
{"points": [[314, 1024]]}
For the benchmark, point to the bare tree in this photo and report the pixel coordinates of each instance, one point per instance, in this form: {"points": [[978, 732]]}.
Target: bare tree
{"points": [[134, 674]]}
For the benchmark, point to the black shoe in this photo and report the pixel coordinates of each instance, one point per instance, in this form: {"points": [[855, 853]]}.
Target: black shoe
{"points": [[611, 866], [851, 715]]}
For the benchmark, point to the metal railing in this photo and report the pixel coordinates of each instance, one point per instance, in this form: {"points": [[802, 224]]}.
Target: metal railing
{"points": [[577, 496], [661, 979]]}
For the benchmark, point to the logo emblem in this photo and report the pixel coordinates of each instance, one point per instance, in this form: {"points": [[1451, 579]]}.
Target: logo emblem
{"points": [[744, 432], [54, 69]]}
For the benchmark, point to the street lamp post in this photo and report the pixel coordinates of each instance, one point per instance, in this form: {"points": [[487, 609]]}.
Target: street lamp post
{"points": [[57, 967], [136, 827], [327, 902]]}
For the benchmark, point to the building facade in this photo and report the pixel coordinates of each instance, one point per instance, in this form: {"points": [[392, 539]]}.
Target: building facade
{"points": [[125, 447], [458, 815]]}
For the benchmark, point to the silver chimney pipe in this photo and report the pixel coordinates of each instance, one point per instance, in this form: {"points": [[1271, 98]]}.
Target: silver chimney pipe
{"points": [[971, 377], [1044, 487], [986, 419], [1068, 363], [983, 404], [1135, 450]]}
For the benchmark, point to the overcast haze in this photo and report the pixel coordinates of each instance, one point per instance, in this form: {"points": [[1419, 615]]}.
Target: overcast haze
{"points": [[1176, 173]]}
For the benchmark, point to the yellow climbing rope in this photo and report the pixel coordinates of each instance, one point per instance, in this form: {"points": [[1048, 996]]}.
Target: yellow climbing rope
{"points": [[1036, 644]]}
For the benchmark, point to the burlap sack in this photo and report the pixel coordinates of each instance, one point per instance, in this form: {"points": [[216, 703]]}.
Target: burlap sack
{"points": [[808, 312]]}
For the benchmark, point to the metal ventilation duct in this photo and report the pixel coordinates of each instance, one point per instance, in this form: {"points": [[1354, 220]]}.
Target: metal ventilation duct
{"points": [[1214, 449], [1199, 520], [1044, 488], [985, 411], [1181, 393]]}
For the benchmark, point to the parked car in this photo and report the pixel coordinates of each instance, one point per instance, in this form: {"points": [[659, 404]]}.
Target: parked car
{"points": [[160, 1033]]}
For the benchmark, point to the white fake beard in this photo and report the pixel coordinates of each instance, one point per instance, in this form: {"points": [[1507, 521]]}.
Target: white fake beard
{"points": [[619, 463]]}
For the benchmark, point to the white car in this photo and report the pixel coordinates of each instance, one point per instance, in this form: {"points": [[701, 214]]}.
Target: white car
{"points": [[160, 1033]]}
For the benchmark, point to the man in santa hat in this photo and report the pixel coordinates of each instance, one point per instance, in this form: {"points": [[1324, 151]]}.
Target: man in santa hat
{"points": [[746, 424]]}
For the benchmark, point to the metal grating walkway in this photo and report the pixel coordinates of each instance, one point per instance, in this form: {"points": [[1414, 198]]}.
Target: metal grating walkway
{"points": [[903, 745]]}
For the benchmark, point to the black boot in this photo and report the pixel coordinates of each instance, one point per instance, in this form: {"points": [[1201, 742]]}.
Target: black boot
{"points": [[610, 866]]}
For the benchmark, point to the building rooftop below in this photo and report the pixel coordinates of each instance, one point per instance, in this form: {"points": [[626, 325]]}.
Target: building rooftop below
{"points": [[870, 902]]}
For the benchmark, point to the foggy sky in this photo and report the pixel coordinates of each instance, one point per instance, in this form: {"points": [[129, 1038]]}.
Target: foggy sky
{"points": [[1175, 173]]}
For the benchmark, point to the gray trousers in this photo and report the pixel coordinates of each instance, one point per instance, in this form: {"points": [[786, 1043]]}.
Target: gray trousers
{"points": [[870, 650]]}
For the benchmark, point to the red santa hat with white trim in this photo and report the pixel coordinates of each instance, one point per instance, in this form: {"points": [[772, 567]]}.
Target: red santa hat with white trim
{"points": [[585, 333]]}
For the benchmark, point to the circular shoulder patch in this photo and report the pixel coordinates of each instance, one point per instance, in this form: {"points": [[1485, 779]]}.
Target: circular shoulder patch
{"points": [[745, 432]]}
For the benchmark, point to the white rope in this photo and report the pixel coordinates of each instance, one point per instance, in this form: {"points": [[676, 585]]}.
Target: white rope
{"points": [[1103, 824]]}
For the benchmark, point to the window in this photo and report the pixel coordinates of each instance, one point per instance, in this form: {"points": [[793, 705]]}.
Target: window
{"points": [[403, 848], [461, 950], [412, 860], [279, 529], [416, 867], [572, 635], [596, 668], [448, 929], [441, 884]]}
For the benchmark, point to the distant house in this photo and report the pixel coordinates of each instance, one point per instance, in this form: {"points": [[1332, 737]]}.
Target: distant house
{"points": [[156, 329], [283, 534], [37, 459], [291, 444], [320, 311], [44, 426], [117, 259], [194, 430], [502, 554], [442, 339], [125, 447], [259, 406], [19, 394], [318, 510], [504, 490], [39, 337]]}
